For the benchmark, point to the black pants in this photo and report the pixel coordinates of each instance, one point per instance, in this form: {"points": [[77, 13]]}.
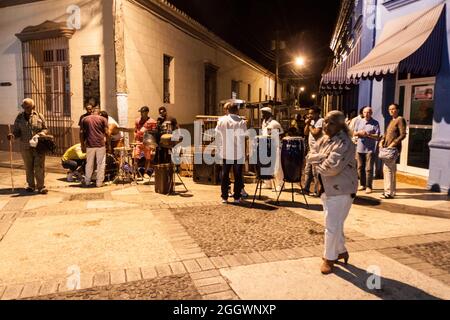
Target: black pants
{"points": [[366, 162], [73, 165], [238, 178]]}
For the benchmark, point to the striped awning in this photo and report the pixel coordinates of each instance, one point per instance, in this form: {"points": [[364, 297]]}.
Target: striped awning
{"points": [[337, 78], [412, 43]]}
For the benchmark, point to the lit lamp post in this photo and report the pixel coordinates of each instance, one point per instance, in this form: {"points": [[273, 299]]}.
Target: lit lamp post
{"points": [[314, 97], [302, 89], [298, 61]]}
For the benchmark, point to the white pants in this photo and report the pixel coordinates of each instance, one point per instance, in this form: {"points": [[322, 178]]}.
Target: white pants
{"points": [[278, 175], [389, 175], [91, 155], [336, 210]]}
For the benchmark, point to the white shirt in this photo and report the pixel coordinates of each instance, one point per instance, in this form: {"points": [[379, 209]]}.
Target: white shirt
{"points": [[271, 124], [311, 139], [230, 137]]}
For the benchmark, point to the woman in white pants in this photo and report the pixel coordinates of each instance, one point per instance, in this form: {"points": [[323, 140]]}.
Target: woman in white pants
{"points": [[334, 160]]}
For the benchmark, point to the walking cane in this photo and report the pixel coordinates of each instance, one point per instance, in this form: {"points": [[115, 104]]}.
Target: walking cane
{"points": [[10, 158]]}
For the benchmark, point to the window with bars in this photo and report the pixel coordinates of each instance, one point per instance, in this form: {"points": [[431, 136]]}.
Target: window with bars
{"points": [[168, 78]]}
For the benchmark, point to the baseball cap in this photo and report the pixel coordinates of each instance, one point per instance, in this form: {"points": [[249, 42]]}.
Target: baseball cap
{"points": [[266, 109], [144, 109]]}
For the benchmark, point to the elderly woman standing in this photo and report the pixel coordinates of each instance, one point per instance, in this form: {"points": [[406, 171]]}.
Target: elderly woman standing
{"points": [[334, 160]]}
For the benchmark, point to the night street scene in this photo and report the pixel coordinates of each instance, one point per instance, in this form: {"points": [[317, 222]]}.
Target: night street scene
{"points": [[243, 153]]}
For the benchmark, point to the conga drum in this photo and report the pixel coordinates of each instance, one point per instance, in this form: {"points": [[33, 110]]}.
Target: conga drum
{"points": [[262, 153], [292, 157], [164, 179]]}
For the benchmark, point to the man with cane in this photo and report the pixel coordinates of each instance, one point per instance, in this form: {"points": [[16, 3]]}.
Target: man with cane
{"points": [[28, 126]]}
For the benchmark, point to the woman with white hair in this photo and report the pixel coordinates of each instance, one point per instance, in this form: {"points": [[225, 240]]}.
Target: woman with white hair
{"points": [[334, 160]]}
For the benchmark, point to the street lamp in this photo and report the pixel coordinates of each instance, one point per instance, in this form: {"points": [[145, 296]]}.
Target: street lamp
{"points": [[300, 61]]}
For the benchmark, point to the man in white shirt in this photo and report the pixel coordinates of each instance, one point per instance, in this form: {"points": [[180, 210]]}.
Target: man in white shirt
{"points": [[270, 125], [314, 131], [231, 131]]}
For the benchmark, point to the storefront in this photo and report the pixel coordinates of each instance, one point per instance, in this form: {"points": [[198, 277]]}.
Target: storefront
{"points": [[409, 66]]}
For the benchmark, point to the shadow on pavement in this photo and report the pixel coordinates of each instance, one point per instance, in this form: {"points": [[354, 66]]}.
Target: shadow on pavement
{"points": [[390, 289], [18, 192]]}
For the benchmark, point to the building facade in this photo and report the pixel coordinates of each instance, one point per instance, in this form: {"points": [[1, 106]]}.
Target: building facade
{"points": [[404, 59], [122, 53]]}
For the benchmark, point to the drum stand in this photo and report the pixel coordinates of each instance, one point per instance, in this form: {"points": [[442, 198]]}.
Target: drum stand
{"points": [[293, 192], [259, 185]]}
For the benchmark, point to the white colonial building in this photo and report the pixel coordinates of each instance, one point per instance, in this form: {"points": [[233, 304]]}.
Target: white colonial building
{"points": [[123, 53]]}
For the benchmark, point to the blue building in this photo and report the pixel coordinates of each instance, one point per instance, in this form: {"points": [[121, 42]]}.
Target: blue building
{"points": [[404, 58]]}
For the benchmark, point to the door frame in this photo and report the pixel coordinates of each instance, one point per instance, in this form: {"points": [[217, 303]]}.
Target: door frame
{"points": [[409, 84]]}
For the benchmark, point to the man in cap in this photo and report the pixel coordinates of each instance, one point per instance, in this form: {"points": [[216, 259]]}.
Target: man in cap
{"points": [[27, 126], [144, 125], [270, 125]]}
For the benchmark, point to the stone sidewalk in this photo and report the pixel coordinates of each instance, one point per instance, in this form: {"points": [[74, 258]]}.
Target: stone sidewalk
{"points": [[126, 242]]}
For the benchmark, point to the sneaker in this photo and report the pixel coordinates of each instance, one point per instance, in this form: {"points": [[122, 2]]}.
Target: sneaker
{"points": [[361, 188], [29, 190], [386, 196], [237, 201], [43, 191], [368, 190], [244, 194], [224, 201]]}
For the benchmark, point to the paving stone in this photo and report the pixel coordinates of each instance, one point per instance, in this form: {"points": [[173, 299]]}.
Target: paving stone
{"points": [[192, 266], [205, 263], [49, 287], [2, 290], [12, 292], [101, 279], [117, 276], [225, 295], [302, 252], [209, 281], [256, 257], [149, 272], [163, 270], [214, 288], [409, 260], [192, 256], [133, 274], [231, 260], [291, 254], [204, 274], [178, 268], [243, 259], [30, 290], [219, 262], [432, 272], [269, 256], [86, 280], [445, 278]]}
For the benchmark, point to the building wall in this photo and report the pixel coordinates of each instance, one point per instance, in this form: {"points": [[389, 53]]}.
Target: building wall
{"points": [[439, 178], [94, 36], [148, 38]]}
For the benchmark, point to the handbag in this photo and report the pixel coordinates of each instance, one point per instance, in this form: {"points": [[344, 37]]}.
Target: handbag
{"points": [[388, 153], [46, 144]]}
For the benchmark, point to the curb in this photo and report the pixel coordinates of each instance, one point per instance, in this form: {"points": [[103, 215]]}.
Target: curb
{"points": [[402, 208]]}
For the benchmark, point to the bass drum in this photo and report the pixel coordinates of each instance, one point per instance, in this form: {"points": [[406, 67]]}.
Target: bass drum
{"points": [[292, 158]]}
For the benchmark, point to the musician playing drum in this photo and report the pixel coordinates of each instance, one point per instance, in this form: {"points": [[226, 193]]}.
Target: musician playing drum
{"points": [[269, 124], [166, 126], [143, 126]]}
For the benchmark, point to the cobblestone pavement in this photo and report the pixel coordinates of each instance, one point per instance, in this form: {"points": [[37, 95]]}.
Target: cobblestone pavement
{"points": [[220, 230], [178, 287], [436, 253]]}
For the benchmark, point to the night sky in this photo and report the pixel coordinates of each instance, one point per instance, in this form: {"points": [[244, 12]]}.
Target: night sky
{"points": [[250, 25]]}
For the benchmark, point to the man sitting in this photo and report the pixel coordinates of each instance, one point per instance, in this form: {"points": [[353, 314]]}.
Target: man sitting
{"points": [[74, 159]]}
